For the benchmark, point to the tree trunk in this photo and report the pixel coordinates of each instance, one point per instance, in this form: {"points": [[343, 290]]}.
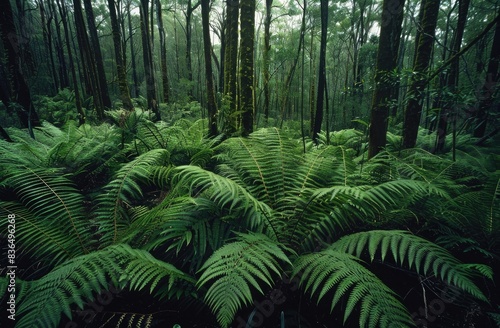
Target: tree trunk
{"points": [[47, 37], [19, 91], [62, 69], [163, 53], [120, 65], [318, 117], [148, 59], [430, 9], [78, 99], [265, 54], [247, 22], [386, 93], [447, 107], [189, 15], [207, 50], [96, 50], [230, 64], [489, 87], [135, 86]]}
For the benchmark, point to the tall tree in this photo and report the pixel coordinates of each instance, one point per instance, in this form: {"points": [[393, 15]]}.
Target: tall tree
{"points": [[230, 64], [429, 10], [265, 56], [488, 90], [17, 91], [189, 15], [318, 117], [148, 59], [385, 93], [135, 85], [120, 64], [207, 50], [247, 21], [447, 107], [163, 53], [96, 51]]}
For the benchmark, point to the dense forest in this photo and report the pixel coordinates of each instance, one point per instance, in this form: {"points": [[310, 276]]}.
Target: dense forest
{"points": [[242, 163]]}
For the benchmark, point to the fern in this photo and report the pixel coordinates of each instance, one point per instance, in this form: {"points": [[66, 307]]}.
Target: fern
{"points": [[78, 279], [421, 255], [333, 270], [235, 269]]}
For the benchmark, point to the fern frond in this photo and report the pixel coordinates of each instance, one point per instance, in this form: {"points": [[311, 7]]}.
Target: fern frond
{"points": [[341, 274], [421, 255], [234, 269], [77, 280], [120, 192]]}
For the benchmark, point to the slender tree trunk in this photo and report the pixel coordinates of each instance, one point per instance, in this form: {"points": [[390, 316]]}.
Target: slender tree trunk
{"points": [[19, 91], [265, 55], [230, 64], [89, 64], [447, 107], [386, 92], [318, 117], [247, 65], [78, 99], [135, 86], [430, 9], [207, 50], [163, 53], [47, 37], [189, 15], [148, 59], [62, 69], [96, 50], [488, 90], [120, 65]]}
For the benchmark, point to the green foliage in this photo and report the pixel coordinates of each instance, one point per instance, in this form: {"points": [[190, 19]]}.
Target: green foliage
{"points": [[236, 267]]}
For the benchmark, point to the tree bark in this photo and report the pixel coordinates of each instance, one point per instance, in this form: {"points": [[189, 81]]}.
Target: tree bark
{"points": [[230, 64], [318, 117], [488, 89], [265, 55], [96, 50], [120, 65], [148, 59], [163, 53], [386, 92], [247, 22], [19, 92], [430, 9], [207, 50]]}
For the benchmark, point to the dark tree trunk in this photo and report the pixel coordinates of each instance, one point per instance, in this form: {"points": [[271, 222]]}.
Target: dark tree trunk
{"points": [[230, 64], [207, 50], [62, 69], [96, 50], [89, 64], [386, 92], [120, 65], [265, 54], [135, 86], [247, 22], [18, 92], [189, 15], [163, 53], [78, 99], [447, 108], [430, 9], [148, 59], [47, 37], [488, 90], [318, 117]]}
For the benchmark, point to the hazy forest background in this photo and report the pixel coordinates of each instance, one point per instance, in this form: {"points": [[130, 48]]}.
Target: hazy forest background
{"points": [[275, 163]]}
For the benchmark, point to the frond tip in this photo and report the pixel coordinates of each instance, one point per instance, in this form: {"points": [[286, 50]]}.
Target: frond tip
{"points": [[236, 268]]}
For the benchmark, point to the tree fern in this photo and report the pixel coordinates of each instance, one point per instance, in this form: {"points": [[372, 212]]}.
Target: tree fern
{"points": [[237, 268]]}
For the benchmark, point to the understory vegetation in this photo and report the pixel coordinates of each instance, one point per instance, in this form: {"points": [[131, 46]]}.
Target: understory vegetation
{"points": [[134, 223]]}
